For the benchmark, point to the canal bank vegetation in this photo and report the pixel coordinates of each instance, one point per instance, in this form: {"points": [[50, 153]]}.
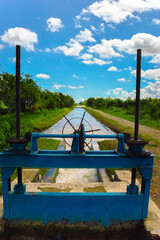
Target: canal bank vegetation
{"points": [[74, 231], [149, 109], [153, 146], [40, 109]]}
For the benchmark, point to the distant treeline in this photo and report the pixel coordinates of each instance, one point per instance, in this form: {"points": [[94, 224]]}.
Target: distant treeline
{"points": [[149, 108], [32, 96]]}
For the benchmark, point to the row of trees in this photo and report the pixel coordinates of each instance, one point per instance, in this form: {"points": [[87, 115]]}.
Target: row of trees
{"points": [[148, 106], [32, 96]]}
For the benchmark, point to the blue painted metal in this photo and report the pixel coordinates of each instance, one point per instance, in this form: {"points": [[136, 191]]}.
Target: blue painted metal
{"points": [[105, 208]]}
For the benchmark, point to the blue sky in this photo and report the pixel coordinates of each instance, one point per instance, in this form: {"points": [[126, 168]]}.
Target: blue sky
{"points": [[83, 48]]}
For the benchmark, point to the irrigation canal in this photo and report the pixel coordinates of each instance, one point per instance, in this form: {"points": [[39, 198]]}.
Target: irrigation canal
{"points": [[70, 175]]}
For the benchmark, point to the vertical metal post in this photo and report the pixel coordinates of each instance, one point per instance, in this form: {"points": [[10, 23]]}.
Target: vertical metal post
{"points": [[138, 79], [18, 106], [136, 127], [18, 103]]}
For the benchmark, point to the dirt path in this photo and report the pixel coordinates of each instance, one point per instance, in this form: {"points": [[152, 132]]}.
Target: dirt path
{"points": [[143, 129]]}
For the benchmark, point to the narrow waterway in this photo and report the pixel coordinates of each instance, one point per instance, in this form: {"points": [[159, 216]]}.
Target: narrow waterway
{"points": [[71, 175]]}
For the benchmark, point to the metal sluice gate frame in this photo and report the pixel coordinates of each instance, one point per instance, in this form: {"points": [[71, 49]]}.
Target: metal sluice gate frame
{"points": [[104, 208]]}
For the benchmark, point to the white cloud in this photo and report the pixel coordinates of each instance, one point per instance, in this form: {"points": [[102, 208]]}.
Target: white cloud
{"points": [[72, 87], [153, 74], [156, 59], [84, 36], [86, 56], [73, 48], [96, 61], [1, 46], [75, 76], [156, 21], [152, 90], [112, 69], [79, 99], [128, 69], [116, 91], [104, 50], [42, 75], [12, 59], [120, 93], [20, 36], [58, 86], [113, 11], [121, 80], [149, 44], [47, 50], [54, 24], [108, 92], [99, 29]]}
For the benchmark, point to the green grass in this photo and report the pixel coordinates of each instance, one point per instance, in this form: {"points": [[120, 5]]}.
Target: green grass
{"points": [[108, 145], [50, 189], [94, 189], [144, 120], [118, 128], [31, 121], [53, 180]]}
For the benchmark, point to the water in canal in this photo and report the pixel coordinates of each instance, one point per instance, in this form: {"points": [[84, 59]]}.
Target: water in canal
{"points": [[70, 175]]}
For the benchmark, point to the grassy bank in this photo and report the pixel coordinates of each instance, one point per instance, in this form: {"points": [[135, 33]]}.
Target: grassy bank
{"points": [[31, 121], [144, 119], [153, 146]]}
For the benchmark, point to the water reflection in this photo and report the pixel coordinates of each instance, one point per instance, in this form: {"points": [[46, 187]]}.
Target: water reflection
{"points": [[77, 175]]}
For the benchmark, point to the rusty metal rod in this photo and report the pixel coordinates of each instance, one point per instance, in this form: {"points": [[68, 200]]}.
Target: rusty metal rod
{"points": [[69, 122], [81, 121], [92, 130], [18, 103], [138, 80]]}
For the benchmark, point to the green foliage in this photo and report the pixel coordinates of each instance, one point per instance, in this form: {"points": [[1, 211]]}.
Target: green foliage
{"points": [[32, 96], [149, 109], [30, 121]]}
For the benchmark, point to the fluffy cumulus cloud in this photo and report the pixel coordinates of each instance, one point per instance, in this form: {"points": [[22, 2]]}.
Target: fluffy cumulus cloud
{"points": [[104, 49], [112, 69], [20, 36], [58, 86], [150, 74], [42, 75], [121, 80], [73, 48], [156, 21], [120, 93], [117, 11], [149, 44], [151, 90], [54, 24], [96, 61], [84, 36], [156, 59], [86, 56]]}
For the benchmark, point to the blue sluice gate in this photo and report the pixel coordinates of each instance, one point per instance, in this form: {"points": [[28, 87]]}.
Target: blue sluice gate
{"points": [[105, 208]]}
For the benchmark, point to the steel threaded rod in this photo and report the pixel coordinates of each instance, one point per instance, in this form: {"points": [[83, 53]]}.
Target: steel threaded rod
{"points": [[138, 80], [18, 103]]}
